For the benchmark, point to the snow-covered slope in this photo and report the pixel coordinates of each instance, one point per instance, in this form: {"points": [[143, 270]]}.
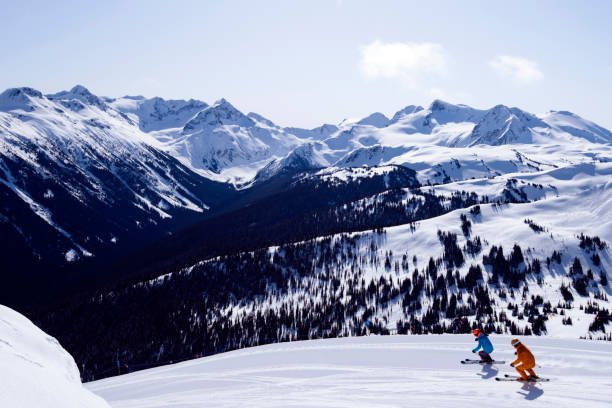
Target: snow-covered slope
{"points": [[76, 175], [501, 126], [555, 209], [35, 371], [376, 119], [304, 158], [572, 124], [224, 144], [157, 113], [374, 371], [318, 133], [408, 110]]}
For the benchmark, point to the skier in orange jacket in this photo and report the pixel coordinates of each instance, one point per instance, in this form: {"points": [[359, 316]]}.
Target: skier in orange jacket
{"points": [[525, 361]]}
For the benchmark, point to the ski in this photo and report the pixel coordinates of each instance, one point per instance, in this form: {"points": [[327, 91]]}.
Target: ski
{"points": [[508, 377], [468, 361]]}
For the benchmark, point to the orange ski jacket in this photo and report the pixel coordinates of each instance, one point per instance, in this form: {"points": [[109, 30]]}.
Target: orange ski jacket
{"points": [[524, 356]]}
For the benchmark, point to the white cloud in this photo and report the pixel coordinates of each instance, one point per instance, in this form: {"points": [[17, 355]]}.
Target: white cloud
{"points": [[411, 62], [518, 69]]}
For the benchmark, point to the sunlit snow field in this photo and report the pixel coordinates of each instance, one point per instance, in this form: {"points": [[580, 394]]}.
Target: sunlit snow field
{"points": [[373, 371]]}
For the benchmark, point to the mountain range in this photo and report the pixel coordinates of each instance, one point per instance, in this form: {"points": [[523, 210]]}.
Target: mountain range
{"points": [[86, 177], [437, 219]]}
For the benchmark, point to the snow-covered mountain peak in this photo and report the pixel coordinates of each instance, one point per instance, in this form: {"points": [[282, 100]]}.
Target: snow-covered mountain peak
{"points": [[440, 112], [499, 110], [440, 105], [376, 119], [303, 158], [157, 113], [503, 110], [223, 105], [223, 143], [441, 123], [80, 93], [574, 125], [221, 113], [14, 93], [19, 98], [408, 110], [221, 101], [80, 90], [503, 125]]}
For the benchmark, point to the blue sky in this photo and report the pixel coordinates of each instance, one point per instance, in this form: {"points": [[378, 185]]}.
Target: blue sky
{"points": [[308, 62]]}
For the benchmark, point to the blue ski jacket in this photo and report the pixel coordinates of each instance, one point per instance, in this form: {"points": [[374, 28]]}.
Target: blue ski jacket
{"points": [[485, 343]]}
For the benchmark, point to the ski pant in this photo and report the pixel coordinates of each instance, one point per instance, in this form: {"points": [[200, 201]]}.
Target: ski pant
{"points": [[484, 356], [523, 369]]}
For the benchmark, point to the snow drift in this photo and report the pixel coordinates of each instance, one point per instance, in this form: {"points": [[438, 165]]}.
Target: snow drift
{"points": [[35, 371]]}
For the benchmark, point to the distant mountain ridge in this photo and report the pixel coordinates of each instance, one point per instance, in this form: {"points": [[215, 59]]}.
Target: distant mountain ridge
{"points": [[84, 176], [157, 113], [221, 142]]}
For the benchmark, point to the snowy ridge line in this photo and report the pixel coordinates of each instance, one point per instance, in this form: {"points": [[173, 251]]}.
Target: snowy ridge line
{"points": [[220, 142]]}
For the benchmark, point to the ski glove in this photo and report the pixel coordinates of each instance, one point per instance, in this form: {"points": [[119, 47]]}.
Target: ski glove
{"points": [[473, 351]]}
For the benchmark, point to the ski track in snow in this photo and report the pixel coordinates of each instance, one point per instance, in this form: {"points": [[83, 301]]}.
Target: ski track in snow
{"points": [[374, 371]]}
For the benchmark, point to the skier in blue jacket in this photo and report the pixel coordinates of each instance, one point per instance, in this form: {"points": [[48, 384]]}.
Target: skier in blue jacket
{"points": [[485, 344]]}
